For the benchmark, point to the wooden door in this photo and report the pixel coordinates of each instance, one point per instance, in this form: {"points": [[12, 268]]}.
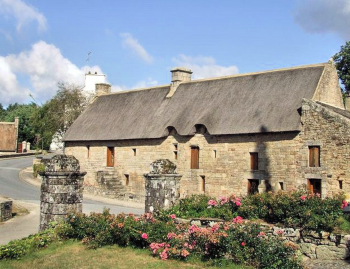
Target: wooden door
{"points": [[253, 186], [19, 148], [314, 186], [194, 157], [110, 156]]}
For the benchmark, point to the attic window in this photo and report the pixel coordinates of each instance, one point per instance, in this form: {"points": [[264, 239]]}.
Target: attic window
{"points": [[254, 161], [314, 156], [175, 155], [194, 157], [88, 151], [134, 150]]}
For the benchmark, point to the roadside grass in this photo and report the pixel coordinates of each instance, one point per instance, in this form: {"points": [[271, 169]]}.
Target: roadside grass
{"points": [[72, 254]]}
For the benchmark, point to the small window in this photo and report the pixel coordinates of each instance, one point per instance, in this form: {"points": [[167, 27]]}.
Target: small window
{"points": [[175, 147], [253, 186], [254, 161], [110, 156], [314, 156], [281, 186], [214, 153], [175, 155], [203, 184], [194, 157], [127, 180], [134, 150], [88, 151], [340, 184], [314, 186]]}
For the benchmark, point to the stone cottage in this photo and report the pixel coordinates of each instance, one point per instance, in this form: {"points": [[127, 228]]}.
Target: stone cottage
{"points": [[238, 134]]}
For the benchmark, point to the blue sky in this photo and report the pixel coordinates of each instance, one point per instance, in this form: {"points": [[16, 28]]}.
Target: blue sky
{"points": [[136, 43]]}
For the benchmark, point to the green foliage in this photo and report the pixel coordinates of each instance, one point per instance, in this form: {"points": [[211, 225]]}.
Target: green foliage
{"points": [[196, 206], [59, 113], [296, 209], [24, 113], [342, 63], [236, 242], [18, 248], [39, 167]]}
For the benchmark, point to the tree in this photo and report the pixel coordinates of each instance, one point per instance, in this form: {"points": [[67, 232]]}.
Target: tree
{"points": [[342, 63], [2, 113], [24, 113], [59, 113]]}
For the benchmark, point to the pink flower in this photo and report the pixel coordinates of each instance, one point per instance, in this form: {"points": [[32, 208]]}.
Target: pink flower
{"points": [[242, 244], [164, 254], [344, 204], [238, 203], [184, 253], [194, 228], [173, 216], [261, 234], [303, 197], [280, 232], [212, 203], [238, 220], [171, 235], [144, 236], [224, 200]]}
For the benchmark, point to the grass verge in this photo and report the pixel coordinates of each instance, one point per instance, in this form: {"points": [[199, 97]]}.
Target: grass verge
{"points": [[72, 254]]}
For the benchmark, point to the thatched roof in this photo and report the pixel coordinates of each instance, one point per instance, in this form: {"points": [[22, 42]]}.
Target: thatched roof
{"points": [[241, 104]]}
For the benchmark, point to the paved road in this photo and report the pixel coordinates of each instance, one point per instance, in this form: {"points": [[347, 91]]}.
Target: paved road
{"points": [[28, 195]]}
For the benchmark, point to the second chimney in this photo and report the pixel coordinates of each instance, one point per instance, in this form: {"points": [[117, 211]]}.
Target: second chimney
{"points": [[102, 89], [178, 75]]}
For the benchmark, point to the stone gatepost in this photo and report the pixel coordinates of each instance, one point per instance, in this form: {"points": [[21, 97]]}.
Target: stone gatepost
{"points": [[162, 185], [61, 189]]}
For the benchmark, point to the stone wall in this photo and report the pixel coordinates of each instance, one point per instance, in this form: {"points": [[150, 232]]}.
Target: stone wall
{"points": [[61, 189], [5, 209], [162, 186], [8, 134], [224, 161], [313, 245]]}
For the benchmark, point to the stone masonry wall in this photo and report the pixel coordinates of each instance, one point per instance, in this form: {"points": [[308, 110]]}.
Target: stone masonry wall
{"points": [[224, 161], [5, 209], [331, 131]]}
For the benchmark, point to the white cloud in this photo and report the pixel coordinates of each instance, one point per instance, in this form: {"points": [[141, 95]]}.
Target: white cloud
{"points": [[45, 66], [322, 16], [23, 13], [131, 43], [10, 90], [204, 67]]}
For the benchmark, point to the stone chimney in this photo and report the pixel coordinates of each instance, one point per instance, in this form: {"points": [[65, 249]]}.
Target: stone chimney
{"points": [[102, 89], [178, 75]]}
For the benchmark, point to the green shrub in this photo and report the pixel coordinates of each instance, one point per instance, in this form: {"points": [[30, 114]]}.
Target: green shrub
{"points": [[18, 248], [39, 167]]}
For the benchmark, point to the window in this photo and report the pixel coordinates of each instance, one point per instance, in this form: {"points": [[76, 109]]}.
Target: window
{"points": [[175, 151], [194, 157], [254, 161], [314, 186], [314, 156], [88, 151], [110, 156], [134, 150], [214, 153], [253, 185], [203, 184], [341, 184], [127, 180], [281, 186]]}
